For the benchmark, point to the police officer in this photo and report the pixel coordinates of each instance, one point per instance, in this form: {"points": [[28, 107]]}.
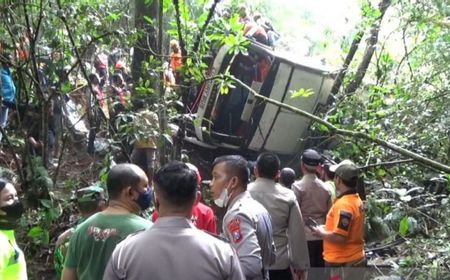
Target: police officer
{"points": [[287, 177], [289, 236], [314, 199], [174, 248], [246, 224]]}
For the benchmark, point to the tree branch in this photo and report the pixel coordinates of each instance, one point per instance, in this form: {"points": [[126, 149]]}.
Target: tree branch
{"points": [[93, 40], [16, 160], [387, 163], [33, 51], [176, 4], [348, 59], [84, 72], [406, 51], [63, 146], [354, 134], [370, 49], [205, 25]]}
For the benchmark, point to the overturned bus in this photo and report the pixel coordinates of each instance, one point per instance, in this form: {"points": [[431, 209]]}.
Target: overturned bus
{"points": [[238, 121]]}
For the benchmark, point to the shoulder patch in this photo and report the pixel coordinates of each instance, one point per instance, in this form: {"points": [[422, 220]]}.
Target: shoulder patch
{"points": [[344, 220], [234, 228]]}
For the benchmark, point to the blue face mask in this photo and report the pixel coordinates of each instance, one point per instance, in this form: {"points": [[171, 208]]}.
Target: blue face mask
{"points": [[145, 199]]}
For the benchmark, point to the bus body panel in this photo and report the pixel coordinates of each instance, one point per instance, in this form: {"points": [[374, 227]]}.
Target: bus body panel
{"points": [[207, 92], [270, 110], [268, 127]]}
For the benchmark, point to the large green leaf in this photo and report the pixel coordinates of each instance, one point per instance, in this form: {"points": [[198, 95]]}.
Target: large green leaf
{"points": [[404, 226], [39, 235]]}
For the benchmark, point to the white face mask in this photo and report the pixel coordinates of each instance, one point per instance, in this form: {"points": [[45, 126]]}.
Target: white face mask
{"points": [[223, 198]]}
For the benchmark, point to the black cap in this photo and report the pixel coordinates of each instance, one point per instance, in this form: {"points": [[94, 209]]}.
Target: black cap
{"points": [[311, 157]]}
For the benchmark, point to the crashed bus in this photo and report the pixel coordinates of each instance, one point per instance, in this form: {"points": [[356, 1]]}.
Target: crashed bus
{"points": [[237, 121]]}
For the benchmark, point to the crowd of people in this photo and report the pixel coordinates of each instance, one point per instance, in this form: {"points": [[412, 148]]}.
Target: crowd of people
{"points": [[97, 101], [275, 225], [258, 27], [273, 228]]}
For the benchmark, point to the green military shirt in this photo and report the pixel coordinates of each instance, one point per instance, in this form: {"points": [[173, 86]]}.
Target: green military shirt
{"points": [[93, 242]]}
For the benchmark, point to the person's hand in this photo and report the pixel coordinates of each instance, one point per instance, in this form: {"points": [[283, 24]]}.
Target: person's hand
{"points": [[300, 274], [64, 237], [317, 231]]}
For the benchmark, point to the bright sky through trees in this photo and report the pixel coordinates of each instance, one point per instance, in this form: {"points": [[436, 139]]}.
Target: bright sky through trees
{"points": [[311, 28]]}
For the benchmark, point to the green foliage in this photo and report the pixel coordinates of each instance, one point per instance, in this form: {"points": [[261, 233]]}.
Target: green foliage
{"points": [[404, 226], [368, 11], [39, 236], [404, 99], [225, 83], [8, 174], [302, 93], [237, 42]]}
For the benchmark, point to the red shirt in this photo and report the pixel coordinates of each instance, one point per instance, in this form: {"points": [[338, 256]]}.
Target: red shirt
{"points": [[202, 217]]}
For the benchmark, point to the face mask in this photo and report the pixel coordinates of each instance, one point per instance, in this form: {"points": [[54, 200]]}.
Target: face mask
{"points": [[223, 198], [145, 199], [12, 212]]}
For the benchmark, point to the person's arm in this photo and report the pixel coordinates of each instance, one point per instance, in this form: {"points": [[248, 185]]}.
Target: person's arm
{"points": [[296, 191], [64, 237], [330, 196], [236, 272], [321, 232], [341, 220], [300, 274], [116, 268], [70, 265], [4, 258], [242, 236], [69, 274], [110, 271], [297, 239], [212, 226]]}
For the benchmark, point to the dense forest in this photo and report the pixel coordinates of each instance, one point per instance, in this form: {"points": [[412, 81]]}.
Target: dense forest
{"points": [[387, 111]]}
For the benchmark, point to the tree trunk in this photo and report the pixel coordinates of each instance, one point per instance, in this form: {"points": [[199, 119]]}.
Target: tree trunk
{"points": [[163, 110], [148, 40], [370, 49], [348, 59], [186, 86]]}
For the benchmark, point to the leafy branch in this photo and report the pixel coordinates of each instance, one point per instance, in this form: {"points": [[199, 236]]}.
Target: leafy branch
{"points": [[85, 74], [370, 49], [203, 29], [344, 132]]}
